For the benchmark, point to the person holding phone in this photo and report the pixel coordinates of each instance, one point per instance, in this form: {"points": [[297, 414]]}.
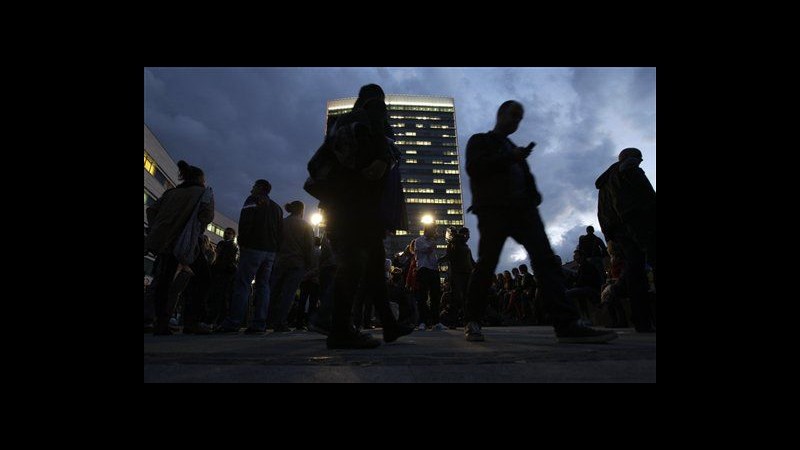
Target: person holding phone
{"points": [[505, 199]]}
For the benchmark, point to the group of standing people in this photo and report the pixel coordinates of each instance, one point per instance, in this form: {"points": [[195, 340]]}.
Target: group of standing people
{"points": [[505, 200]]}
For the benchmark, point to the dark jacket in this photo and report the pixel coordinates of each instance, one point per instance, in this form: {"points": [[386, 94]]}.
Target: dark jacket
{"points": [[167, 217], [297, 244], [591, 246], [260, 224], [227, 254], [626, 201], [358, 199], [458, 255], [489, 167]]}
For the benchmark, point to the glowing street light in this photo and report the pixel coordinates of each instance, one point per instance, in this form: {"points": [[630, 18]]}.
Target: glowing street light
{"points": [[427, 219], [316, 219]]}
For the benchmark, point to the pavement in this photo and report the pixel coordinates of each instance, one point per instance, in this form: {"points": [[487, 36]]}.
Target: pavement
{"points": [[527, 354]]}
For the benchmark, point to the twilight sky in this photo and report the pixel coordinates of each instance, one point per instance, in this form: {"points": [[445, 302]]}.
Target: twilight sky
{"points": [[241, 124]]}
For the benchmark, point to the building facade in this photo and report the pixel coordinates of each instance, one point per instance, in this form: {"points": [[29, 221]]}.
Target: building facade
{"points": [[160, 174], [425, 132]]}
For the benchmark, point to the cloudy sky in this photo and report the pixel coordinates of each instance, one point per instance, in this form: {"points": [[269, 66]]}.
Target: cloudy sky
{"points": [[241, 124]]}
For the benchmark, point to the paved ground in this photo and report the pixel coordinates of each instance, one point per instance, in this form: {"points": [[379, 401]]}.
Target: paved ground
{"points": [[510, 354]]}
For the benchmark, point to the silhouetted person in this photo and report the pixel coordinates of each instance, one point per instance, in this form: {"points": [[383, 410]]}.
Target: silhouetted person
{"points": [[505, 199], [294, 260], [260, 231], [222, 273], [626, 209], [593, 249], [356, 228], [167, 219]]}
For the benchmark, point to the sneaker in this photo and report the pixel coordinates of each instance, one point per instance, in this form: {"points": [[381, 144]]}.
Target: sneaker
{"points": [[359, 340], [226, 330], [439, 327], [577, 334], [472, 332], [422, 327], [197, 328], [391, 334]]}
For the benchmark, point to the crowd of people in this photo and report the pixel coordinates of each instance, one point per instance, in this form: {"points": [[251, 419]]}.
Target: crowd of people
{"points": [[278, 275]]}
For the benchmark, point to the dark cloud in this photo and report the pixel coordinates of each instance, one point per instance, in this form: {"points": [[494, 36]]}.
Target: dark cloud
{"points": [[241, 124]]}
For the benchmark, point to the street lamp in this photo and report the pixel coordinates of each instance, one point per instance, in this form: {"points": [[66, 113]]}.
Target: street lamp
{"points": [[316, 219], [427, 219]]}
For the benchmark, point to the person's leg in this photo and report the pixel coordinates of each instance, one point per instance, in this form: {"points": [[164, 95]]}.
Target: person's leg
{"points": [[249, 261], [262, 292], [493, 233], [291, 282], [528, 230], [164, 269], [198, 289], [635, 279]]}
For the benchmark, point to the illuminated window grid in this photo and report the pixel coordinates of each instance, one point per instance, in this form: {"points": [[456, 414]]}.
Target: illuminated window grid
{"points": [[149, 164]]}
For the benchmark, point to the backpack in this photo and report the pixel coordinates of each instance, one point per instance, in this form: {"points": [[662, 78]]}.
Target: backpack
{"points": [[336, 163]]}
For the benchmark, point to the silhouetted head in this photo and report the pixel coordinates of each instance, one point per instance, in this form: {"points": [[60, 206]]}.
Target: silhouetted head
{"points": [[230, 234], [630, 152], [515, 271], [590, 230], [296, 208], [261, 186], [464, 231], [509, 115], [523, 268], [190, 174], [429, 230], [368, 93]]}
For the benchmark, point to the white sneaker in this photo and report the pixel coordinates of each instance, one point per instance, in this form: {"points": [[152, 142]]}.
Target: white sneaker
{"points": [[422, 327], [439, 327]]}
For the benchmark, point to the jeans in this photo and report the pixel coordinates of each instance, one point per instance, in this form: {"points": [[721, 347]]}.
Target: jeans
{"points": [[252, 264]]}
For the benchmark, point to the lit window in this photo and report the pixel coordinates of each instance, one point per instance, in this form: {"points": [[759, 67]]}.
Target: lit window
{"points": [[411, 152], [419, 125], [410, 180], [454, 211], [438, 181], [441, 245], [400, 232], [149, 164], [410, 133], [452, 191], [411, 161]]}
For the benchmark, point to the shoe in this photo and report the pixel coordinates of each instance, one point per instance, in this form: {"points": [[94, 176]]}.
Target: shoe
{"points": [[319, 329], [577, 334], [472, 332], [255, 331], [391, 334], [197, 328], [439, 327], [360, 340], [227, 330]]}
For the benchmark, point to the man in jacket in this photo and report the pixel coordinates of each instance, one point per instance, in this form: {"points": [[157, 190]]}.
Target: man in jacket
{"points": [[505, 199]]}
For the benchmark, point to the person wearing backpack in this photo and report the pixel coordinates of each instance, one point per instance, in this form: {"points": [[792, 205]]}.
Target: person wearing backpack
{"points": [[356, 227], [167, 219]]}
